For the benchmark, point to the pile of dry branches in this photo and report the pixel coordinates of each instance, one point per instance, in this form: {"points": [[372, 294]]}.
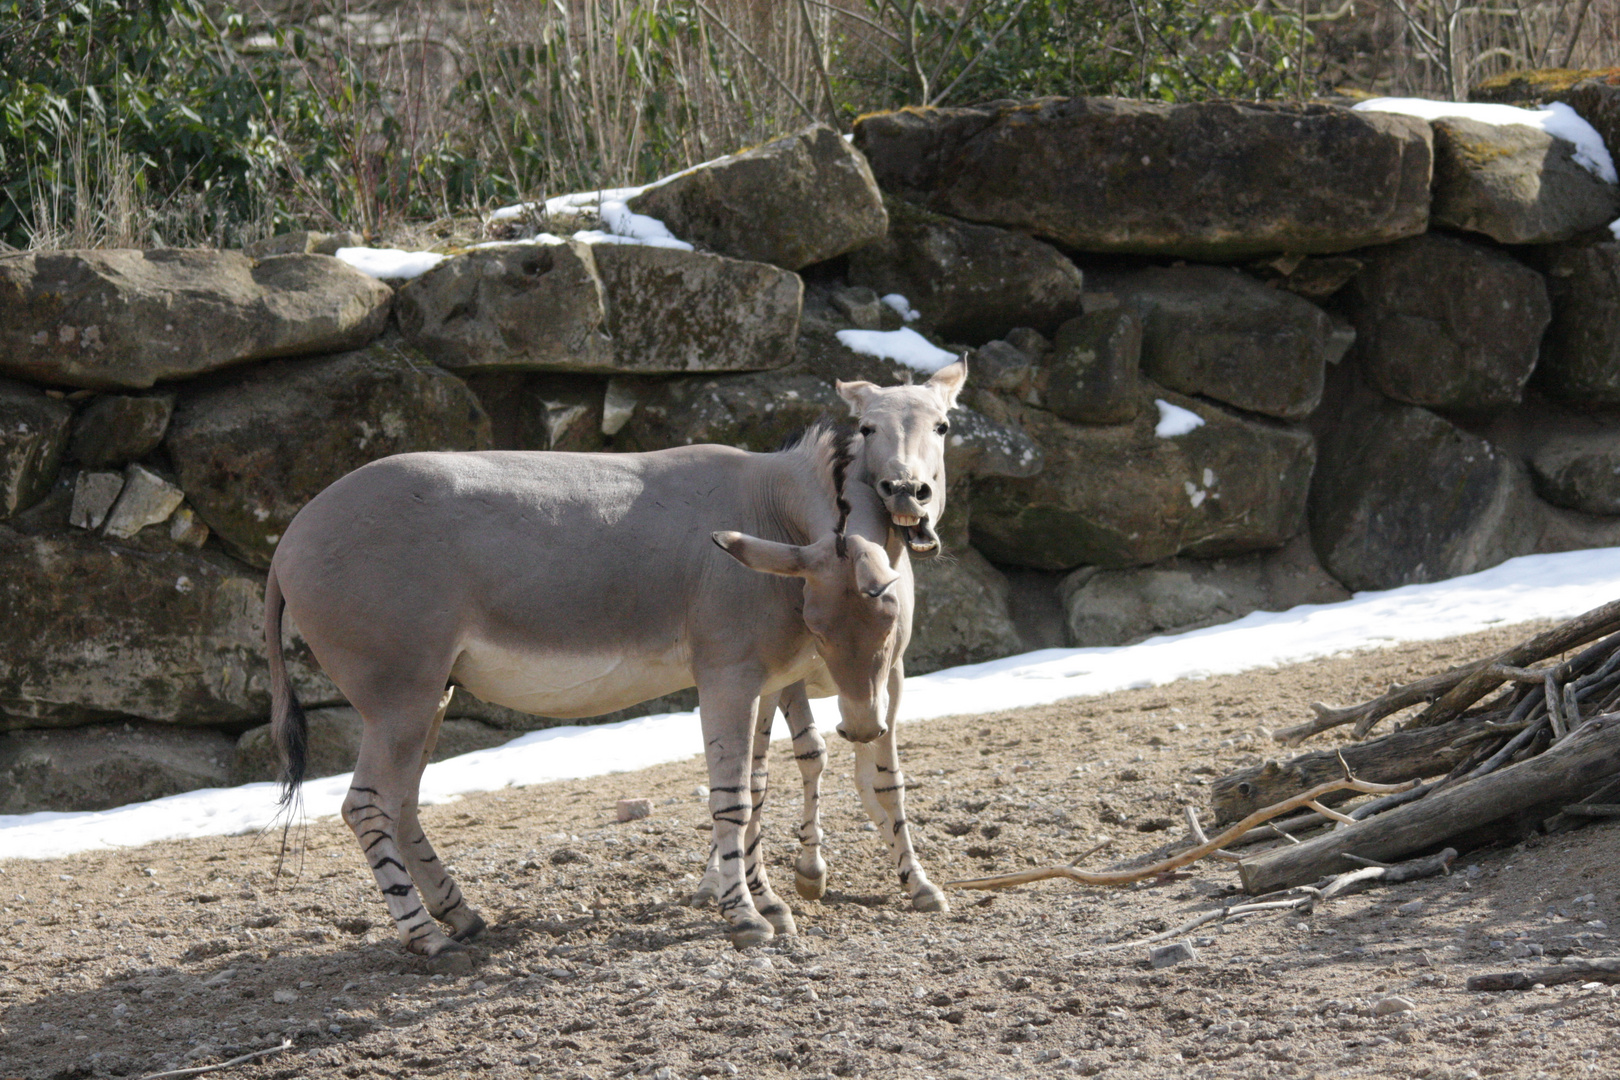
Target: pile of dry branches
{"points": [[1499, 748]]}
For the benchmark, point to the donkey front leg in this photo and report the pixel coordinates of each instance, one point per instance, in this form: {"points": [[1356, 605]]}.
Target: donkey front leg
{"points": [[883, 791], [728, 716], [766, 902], [810, 751], [438, 889], [385, 782]]}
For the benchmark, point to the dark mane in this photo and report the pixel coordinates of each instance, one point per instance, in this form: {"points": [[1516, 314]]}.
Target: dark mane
{"points": [[837, 439]]}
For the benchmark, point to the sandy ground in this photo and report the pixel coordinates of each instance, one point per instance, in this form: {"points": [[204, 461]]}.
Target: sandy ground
{"points": [[189, 953]]}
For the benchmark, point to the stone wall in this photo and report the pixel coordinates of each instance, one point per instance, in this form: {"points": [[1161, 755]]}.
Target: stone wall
{"points": [[1223, 358]]}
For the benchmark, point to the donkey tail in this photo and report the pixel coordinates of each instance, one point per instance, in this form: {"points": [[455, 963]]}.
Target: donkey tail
{"points": [[289, 730]]}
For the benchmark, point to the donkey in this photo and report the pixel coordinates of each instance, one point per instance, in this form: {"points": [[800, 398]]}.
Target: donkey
{"points": [[575, 584], [901, 452]]}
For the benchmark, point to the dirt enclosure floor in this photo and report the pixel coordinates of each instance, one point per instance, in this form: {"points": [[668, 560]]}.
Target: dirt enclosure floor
{"points": [[131, 962]]}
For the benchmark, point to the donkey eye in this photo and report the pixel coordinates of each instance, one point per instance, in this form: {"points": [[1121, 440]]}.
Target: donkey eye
{"points": [[867, 429], [942, 427]]}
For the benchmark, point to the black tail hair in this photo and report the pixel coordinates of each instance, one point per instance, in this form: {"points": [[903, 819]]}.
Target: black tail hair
{"points": [[289, 728]]}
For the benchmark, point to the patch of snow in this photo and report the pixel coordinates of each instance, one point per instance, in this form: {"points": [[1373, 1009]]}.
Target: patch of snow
{"points": [[1614, 228], [1557, 586], [1174, 420], [1557, 120], [902, 346], [902, 307], [389, 264]]}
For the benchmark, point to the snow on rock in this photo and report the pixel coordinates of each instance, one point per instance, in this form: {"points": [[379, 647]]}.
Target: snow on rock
{"points": [[1532, 587], [1174, 421], [389, 264], [902, 346], [1557, 119], [902, 306]]}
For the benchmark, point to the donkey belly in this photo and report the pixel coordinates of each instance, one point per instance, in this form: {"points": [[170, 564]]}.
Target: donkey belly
{"points": [[550, 682]]}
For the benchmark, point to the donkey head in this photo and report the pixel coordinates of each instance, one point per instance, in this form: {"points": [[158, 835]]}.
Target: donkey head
{"points": [[854, 601], [902, 451]]}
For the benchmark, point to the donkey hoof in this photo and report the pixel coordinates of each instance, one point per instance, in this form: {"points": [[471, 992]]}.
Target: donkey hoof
{"points": [[781, 920], [931, 899], [704, 896], [471, 930], [747, 934], [811, 888], [453, 959]]}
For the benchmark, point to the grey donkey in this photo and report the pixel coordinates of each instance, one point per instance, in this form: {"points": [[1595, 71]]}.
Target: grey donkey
{"points": [[575, 584], [901, 453]]}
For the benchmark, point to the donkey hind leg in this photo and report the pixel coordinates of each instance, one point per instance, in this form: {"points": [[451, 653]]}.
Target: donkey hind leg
{"points": [[385, 780], [883, 791], [810, 751], [439, 891], [728, 714], [766, 902]]}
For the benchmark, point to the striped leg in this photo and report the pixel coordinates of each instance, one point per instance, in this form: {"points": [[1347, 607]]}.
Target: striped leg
{"points": [[883, 791], [766, 902], [385, 780], [810, 751], [729, 716], [440, 893]]}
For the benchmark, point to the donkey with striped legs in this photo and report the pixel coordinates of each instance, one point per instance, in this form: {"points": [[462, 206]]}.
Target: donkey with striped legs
{"points": [[901, 453], [575, 584]]}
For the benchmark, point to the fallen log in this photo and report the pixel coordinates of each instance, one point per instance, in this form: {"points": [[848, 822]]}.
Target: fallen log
{"points": [[1389, 759], [1603, 969], [1391, 701], [1566, 773]]}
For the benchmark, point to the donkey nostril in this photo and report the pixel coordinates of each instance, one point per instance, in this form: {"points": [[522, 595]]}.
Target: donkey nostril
{"points": [[923, 492], [887, 487]]}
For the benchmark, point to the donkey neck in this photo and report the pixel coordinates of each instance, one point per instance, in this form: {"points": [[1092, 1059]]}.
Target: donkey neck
{"points": [[796, 499]]}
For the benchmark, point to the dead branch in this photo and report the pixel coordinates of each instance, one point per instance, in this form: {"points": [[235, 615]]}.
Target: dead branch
{"points": [[1594, 810], [1604, 969], [1386, 874], [1192, 855], [286, 1044], [1578, 631], [1389, 702]]}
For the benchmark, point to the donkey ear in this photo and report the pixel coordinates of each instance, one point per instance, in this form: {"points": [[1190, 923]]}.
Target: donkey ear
{"points": [[855, 394], [873, 574], [766, 556], [948, 381]]}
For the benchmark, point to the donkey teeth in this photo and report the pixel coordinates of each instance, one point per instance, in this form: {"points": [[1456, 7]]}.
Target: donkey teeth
{"points": [[906, 519]]}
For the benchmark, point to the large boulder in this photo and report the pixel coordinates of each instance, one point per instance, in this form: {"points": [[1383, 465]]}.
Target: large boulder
{"points": [[672, 310], [251, 452], [542, 410], [33, 437], [968, 282], [961, 615], [116, 429], [1212, 180], [1093, 373], [1580, 359], [107, 765], [1403, 496], [608, 308], [91, 629], [333, 744], [537, 305], [1446, 323], [1119, 607], [790, 202], [1124, 495], [1515, 184], [126, 319], [1579, 471], [1217, 332]]}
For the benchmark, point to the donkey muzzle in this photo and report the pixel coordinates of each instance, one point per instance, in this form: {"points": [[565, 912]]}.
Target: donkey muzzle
{"points": [[905, 500], [882, 730]]}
